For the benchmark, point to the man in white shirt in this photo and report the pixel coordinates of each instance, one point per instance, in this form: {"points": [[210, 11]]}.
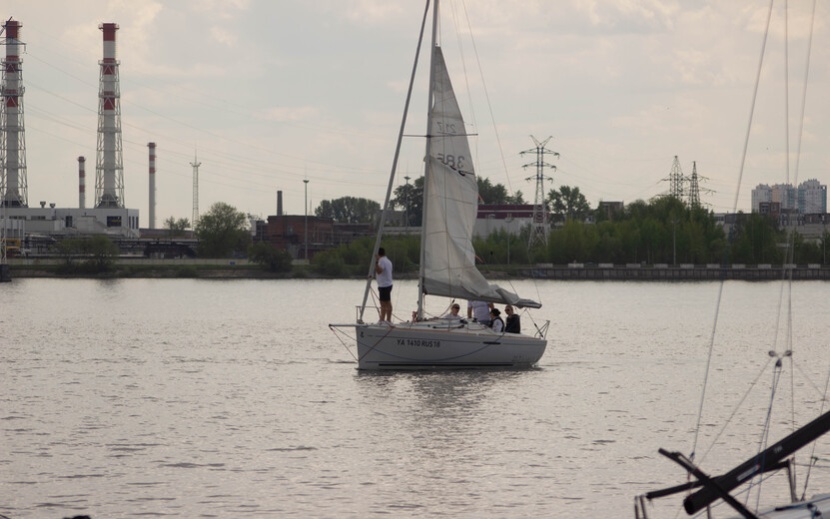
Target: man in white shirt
{"points": [[383, 274], [480, 310]]}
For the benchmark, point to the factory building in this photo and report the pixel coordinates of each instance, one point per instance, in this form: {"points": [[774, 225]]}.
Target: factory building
{"points": [[109, 215]]}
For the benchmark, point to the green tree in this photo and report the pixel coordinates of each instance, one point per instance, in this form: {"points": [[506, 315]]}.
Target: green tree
{"points": [[491, 194], [755, 240], [348, 209], [97, 254], [569, 203], [410, 198], [269, 257], [176, 227], [517, 199], [222, 231], [353, 258]]}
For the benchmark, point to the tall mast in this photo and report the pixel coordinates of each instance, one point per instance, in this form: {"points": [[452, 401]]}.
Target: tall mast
{"points": [[394, 165], [431, 100]]}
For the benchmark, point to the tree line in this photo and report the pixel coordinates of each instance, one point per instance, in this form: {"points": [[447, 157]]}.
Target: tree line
{"points": [[662, 230]]}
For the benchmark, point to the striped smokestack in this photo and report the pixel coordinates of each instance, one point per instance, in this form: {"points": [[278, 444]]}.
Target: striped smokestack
{"points": [[109, 169], [152, 147], [11, 124], [82, 182]]}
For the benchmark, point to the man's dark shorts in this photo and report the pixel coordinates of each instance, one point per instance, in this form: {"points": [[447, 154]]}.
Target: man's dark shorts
{"points": [[385, 293]]}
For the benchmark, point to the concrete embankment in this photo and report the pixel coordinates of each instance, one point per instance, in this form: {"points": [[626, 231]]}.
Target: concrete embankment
{"points": [[242, 269], [685, 272]]}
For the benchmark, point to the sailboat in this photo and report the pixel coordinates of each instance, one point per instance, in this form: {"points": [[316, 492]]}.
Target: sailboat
{"points": [[447, 267], [703, 491]]}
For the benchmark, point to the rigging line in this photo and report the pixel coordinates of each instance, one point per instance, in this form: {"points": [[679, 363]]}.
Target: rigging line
{"points": [[735, 411], [764, 442], [805, 377], [397, 155], [487, 97], [804, 91], [815, 443], [734, 210], [752, 108], [799, 142], [786, 92]]}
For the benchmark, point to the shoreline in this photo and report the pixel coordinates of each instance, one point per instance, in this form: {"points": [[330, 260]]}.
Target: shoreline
{"points": [[241, 269]]}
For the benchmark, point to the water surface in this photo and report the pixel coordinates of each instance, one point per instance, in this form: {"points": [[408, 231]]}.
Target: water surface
{"points": [[207, 398]]}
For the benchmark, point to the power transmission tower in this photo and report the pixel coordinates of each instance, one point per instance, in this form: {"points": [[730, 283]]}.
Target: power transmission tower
{"points": [[539, 229], [676, 180], [694, 189]]}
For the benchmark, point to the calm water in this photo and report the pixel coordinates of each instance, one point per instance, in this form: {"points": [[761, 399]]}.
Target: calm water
{"points": [[188, 398]]}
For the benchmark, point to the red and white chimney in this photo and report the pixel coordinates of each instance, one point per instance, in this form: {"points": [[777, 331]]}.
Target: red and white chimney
{"points": [[12, 131], [109, 169], [82, 182]]}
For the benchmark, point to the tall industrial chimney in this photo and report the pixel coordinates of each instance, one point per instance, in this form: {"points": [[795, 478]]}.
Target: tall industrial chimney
{"points": [[13, 172], [152, 147], [82, 182], [195, 165], [109, 168], [279, 203]]}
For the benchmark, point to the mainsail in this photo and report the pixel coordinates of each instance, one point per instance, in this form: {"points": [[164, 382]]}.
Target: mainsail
{"points": [[451, 204]]}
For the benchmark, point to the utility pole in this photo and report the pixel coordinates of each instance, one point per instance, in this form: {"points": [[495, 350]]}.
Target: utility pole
{"points": [[539, 228], [406, 202], [195, 164], [305, 225]]}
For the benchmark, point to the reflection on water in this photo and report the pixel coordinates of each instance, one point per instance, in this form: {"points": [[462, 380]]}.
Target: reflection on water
{"points": [[192, 398]]}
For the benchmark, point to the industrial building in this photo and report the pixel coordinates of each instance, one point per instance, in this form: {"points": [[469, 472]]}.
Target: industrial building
{"points": [[109, 215]]}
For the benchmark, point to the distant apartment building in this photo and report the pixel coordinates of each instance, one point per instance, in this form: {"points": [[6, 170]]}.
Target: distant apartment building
{"points": [[810, 197]]}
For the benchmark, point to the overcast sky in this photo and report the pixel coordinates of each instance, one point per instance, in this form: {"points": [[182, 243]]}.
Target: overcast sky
{"points": [[272, 92]]}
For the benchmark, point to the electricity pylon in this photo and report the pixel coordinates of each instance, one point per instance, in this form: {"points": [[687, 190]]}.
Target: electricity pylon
{"points": [[539, 228]]}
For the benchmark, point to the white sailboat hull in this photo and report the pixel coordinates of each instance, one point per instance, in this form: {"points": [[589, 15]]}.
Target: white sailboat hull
{"points": [[818, 506], [444, 345]]}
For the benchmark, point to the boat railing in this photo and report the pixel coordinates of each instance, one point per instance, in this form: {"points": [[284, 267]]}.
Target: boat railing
{"points": [[542, 331]]}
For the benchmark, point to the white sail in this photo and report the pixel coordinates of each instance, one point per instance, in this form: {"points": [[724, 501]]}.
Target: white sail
{"points": [[451, 204]]}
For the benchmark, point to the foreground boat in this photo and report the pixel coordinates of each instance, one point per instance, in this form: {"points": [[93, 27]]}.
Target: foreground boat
{"points": [[447, 266], [704, 491], [708, 489]]}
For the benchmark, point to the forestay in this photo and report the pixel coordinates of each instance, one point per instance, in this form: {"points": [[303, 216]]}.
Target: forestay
{"points": [[451, 204]]}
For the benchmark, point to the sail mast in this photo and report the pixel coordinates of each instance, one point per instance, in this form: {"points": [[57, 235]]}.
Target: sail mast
{"points": [[394, 166], [430, 101]]}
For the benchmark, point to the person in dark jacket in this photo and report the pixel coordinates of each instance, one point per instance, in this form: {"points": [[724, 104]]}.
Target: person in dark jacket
{"points": [[513, 324], [496, 322]]}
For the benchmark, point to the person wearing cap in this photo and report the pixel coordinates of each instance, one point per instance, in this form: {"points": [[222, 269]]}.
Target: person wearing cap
{"points": [[496, 323]]}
